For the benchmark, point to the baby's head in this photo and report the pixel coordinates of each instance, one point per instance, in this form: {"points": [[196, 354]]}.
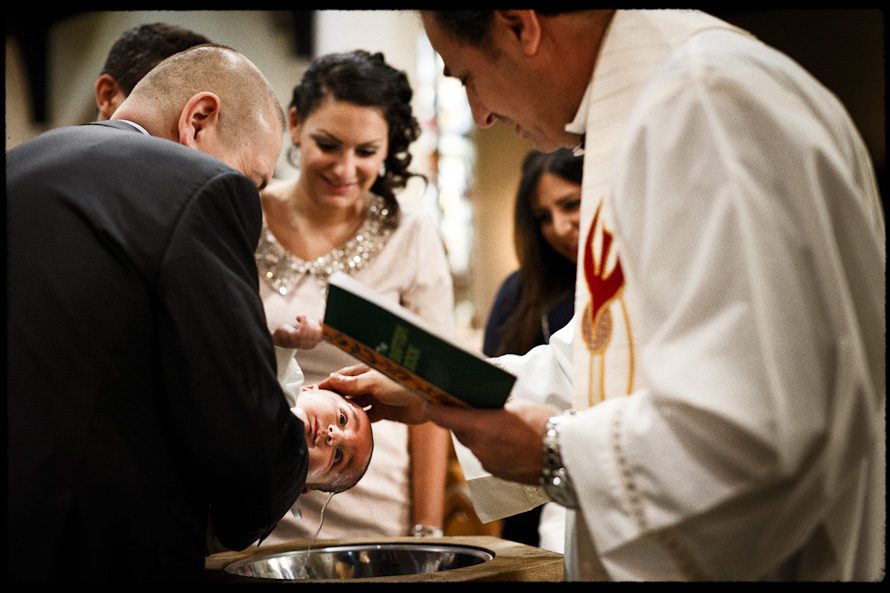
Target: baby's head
{"points": [[338, 436]]}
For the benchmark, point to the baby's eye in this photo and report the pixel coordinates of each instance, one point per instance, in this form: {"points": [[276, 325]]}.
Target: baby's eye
{"points": [[342, 418], [338, 455]]}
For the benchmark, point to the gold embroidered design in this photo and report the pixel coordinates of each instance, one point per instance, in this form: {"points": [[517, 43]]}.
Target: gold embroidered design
{"points": [[603, 287], [630, 348]]}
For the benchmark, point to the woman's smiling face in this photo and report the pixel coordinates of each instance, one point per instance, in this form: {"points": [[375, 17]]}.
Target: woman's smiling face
{"points": [[342, 148]]}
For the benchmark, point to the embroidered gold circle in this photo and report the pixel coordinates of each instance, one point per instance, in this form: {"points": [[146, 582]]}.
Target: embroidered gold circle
{"points": [[596, 333]]}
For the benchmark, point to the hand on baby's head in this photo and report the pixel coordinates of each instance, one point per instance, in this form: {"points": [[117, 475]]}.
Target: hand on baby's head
{"points": [[338, 437]]}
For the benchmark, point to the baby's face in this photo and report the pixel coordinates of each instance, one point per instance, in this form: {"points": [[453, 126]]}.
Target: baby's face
{"points": [[338, 435]]}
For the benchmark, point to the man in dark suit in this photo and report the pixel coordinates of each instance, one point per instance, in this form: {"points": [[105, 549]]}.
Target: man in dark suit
{"points": [[142, 394]]}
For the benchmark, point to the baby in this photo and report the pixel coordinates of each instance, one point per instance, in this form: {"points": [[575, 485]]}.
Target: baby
{"points": [[339, 438], [338, 431]]}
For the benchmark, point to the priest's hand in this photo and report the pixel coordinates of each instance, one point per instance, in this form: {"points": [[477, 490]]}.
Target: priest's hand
{"points": [[387, 399], [508, 441]]}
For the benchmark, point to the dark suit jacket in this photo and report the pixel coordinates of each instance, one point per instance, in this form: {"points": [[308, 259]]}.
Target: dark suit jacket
{"points": [[142, 394]]}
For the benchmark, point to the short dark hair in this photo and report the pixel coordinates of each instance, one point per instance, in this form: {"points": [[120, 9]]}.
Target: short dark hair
{"points": [[362, 78], [470, 26], [141, 48]]}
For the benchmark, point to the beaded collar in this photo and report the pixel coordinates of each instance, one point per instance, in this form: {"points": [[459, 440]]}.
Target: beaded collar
{"points": [[282, 270]]}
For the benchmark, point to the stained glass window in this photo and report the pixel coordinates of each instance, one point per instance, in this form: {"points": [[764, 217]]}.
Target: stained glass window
{"points": [[447, 157]]}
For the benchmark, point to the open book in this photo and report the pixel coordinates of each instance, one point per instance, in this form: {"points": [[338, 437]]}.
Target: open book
{"points": [[398, 343]]}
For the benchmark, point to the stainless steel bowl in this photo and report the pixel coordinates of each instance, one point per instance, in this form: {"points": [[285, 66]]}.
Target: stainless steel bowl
{"points": [[359, 561]]}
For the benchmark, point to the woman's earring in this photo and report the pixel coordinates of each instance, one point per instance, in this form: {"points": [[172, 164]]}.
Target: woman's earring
{"points": [[382, 170], [293, 156]]}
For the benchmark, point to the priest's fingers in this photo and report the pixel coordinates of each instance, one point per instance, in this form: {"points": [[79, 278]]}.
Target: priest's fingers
{"points": [[371, 383], [376, 389], [351, 371], [506, 441]]}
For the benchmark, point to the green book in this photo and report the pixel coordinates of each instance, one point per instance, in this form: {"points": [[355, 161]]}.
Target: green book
{"points": [[398, 343]]}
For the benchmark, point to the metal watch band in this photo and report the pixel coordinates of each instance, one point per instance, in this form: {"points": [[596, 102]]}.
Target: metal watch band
{"points": [[554, 477]]}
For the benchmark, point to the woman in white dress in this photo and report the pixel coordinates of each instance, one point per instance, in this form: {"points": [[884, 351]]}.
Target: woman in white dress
{"points": [[351, 125]]}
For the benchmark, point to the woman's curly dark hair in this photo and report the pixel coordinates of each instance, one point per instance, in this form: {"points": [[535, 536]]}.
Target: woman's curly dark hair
{"points": [[365, 79]]}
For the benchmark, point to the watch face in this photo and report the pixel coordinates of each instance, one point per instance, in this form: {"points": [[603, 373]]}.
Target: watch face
{"points": [[561, 493]]}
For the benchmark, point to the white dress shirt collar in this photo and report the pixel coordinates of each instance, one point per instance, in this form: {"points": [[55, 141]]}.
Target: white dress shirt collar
{"points": [[135, 125]]}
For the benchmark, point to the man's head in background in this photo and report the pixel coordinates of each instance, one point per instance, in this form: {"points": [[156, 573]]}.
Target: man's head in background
{"points": [[135, 52]]}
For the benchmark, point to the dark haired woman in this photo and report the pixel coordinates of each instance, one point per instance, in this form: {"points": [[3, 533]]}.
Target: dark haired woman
{"points": [[538, 298], [351, 126]]}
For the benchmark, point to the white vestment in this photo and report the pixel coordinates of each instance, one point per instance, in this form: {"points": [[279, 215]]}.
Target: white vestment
{"points": [[727, 354]]}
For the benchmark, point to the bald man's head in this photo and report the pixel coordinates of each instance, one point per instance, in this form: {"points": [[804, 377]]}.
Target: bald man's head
{"points": [[214, 99]]}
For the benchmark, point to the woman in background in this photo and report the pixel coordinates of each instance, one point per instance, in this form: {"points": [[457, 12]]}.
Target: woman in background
{"points": [[539, 298], [351, 126]]}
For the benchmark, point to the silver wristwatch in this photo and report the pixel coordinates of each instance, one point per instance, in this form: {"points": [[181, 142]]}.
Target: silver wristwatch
{"points": [[554, 477]]}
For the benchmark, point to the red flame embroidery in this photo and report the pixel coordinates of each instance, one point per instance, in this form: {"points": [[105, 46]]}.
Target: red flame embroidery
{"points": [[603, 288]]}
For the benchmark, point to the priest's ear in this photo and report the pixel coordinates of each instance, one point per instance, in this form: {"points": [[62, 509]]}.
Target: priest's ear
{"points": [[517, 29], [109, 96]]}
